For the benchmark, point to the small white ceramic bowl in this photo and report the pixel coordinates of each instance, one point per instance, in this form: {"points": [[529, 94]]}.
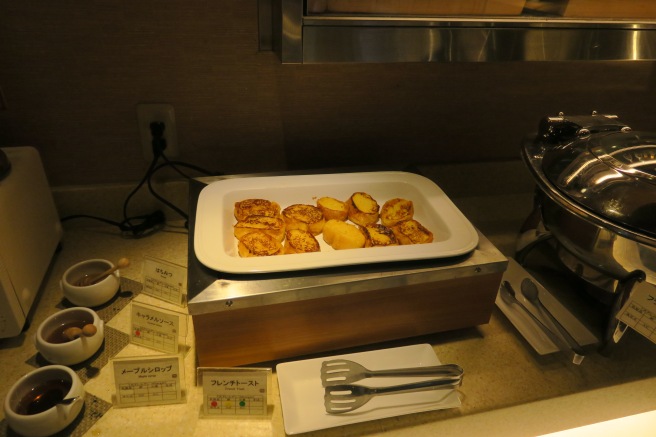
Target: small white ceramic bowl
{"points": [[73, 351], [37, 418], [90, 295]]}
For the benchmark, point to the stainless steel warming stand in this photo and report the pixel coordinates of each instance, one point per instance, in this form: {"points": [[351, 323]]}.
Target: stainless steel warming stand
{"points": [[249, 318], [595, 207]]}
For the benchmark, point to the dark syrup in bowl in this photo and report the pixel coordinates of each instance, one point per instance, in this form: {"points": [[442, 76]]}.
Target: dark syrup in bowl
{"points": [[43, 397]]}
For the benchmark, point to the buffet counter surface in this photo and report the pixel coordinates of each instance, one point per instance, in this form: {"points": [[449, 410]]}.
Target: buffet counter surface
{"points": [[508, 389]]}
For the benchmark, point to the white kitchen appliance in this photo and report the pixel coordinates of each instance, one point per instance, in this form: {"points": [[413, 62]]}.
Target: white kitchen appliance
{"points": [[30, 232]]}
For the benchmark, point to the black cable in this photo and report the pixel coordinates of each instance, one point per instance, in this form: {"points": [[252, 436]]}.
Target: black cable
{"points": [[76, 216], [184, 164], [174, 165], [149, 223], [126, 226], [126, 219], [166, 202]]}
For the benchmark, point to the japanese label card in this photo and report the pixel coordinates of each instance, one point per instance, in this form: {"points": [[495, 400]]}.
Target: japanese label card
{"points": [[164, 280], [240, 392], [154, 380], [156, 328], [639, 312]]}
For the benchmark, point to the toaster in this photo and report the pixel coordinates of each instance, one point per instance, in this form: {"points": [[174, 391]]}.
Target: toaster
{"points": [[30, 234]]}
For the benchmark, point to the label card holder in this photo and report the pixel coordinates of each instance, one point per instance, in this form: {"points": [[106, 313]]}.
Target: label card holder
{"points": [[639, 312], [234, 392], [158, 329], [154, 380], [164, 280]]}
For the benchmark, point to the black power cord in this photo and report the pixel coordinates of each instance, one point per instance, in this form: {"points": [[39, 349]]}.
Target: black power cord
{"points": [[144, 225]]}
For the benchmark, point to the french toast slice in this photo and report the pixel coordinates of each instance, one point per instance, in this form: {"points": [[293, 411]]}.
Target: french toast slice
{"points": [[332, 208], [378, 235], [342, 235], [412, 232], [395, 211], [363, 209], [274, 226], [261, 207], [259, 243], [298, 241], [304, 217]]}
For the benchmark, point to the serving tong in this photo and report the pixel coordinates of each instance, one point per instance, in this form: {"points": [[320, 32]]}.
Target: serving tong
{"points": [[338, 371], [341, 396], [547, 323]]}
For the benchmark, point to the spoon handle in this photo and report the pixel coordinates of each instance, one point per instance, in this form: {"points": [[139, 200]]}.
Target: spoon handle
{"points": [[68, 401], [121, 264]]}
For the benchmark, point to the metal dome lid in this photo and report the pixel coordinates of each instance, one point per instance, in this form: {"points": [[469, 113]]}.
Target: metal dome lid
{"points": [[601, 165]]}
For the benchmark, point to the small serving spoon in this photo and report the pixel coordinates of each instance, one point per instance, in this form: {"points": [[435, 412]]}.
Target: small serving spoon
{"points": [[68, 401], [90, 280], [74, 332], [47, 400]]}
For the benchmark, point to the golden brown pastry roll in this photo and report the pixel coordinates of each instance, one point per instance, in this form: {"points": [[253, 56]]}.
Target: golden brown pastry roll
{"points": [[363, 209], [332, 208], [274, 226], [342, 235], [304, 217], [378, 235], [299, 241], [261, 207], [258, 243], [395, 211], [412, 232]]}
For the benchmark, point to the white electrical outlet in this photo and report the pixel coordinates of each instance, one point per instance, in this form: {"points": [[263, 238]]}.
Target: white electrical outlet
{"points": [[157, 112]]}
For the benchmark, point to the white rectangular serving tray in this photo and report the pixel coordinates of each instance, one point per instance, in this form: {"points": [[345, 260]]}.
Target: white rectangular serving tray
{"points": [[301, 392], [216, 247]]}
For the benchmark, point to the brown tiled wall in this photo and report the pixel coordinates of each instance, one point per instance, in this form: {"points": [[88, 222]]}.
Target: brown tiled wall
{"points": [[72, 73]]}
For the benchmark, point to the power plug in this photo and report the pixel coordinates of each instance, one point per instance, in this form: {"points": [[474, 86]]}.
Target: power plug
{"points": [[158, 142], [147, 115]]}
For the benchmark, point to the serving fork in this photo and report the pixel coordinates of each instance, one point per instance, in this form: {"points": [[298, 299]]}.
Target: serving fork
{"points": [[340, 371], [339, 399]]}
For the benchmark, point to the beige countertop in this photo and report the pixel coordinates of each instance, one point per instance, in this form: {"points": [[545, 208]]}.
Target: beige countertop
{"points": [[509, 390]]}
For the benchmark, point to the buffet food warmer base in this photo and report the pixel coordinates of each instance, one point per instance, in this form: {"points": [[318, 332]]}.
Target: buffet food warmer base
{"points": [[591, 235], [243, 319]]}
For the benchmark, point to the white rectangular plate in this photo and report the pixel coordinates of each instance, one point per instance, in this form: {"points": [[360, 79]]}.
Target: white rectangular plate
{"points": [[301, 392], [216, 247]]}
